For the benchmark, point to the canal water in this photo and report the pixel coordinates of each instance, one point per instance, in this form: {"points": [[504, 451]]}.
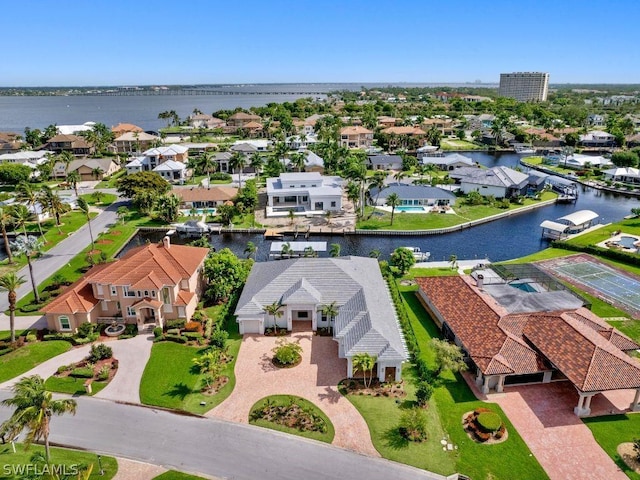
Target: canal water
{"points": [[511, 237]]}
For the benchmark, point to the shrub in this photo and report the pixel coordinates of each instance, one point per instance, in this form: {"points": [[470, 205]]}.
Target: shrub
{"points": [[636, 448], [178, 323], [99, 352], [198, 315], [413, 425], [424, 391], [157, 332], [31, 337], [103, 374], [489, 422], [192, 335], [173, 331], [131, 329], [64, 368], [85, 329], [85, 372], [208, 328], [81, 340], [7, 349], [176, 338], [287, 353], [192, 326], [219, 338]]}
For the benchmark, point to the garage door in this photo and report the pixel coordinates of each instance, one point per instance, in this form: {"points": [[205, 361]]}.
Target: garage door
{"points": [[250, 326]]}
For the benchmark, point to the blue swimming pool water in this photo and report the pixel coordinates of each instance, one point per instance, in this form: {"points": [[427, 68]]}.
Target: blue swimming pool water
{"points": [[199, 211], [406, 208], [627, 242]]}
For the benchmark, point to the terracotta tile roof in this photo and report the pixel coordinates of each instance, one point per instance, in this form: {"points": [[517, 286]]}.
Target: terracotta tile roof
{"points": [[147, 301], [252, 125], [184, 297], [616, 337], [588, 360], [354, 131], [244, 116], [125, 127], [74, 140], [404, 131], [169, 265], [78, 297], [201, 194]]}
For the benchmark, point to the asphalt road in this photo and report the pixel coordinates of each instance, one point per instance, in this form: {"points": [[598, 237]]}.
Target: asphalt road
{"points": [[52, 260], [212, 447]]}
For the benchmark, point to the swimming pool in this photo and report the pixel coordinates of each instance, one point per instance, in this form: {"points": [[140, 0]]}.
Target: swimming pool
{"points": [[406, 208], [198, 211], [627, 242]]}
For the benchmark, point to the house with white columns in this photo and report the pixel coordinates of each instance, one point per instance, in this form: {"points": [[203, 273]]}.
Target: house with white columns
{"points": [[532, 345], [365, 322]]}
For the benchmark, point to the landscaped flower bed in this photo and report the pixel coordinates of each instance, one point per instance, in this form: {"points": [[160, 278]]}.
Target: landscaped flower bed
{"points": [[484, 426], [96, 370], [356, 386]]}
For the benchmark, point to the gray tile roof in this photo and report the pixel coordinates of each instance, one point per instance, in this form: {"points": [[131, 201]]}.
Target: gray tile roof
{"points": [[405, 191], [383, 159], [366, 322], [496, 176]]}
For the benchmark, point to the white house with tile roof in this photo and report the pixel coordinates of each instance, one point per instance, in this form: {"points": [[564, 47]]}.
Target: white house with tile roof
{"points": [[366, 320]]}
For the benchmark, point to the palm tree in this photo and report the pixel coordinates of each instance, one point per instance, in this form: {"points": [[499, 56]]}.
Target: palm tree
{"points": [[21, 216], [256, 162], [399, 175], [365, 363], [29, 246], [353, 194], [250, 250], [237, 162], [377, 182], [96, 172], [10, 282], [84, 208], [209, 164], [275, 310], [393, 200], [72, 179], [331, 312], [453, 261], [375, 253], [26, 193], [65, 157], [122, 213], [34, 407], [286, 250], [334, 250], [51, 201], [297, 161], [6, 218]]}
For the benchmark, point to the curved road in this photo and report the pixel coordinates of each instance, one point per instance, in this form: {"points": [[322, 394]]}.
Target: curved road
{"points": [[212, 447]]}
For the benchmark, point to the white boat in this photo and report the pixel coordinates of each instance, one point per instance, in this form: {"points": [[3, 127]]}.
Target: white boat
{"points": [[191, 228], [525, 149], [418, 254]]}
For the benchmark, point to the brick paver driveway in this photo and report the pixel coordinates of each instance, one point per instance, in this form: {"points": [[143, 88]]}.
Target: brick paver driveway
{"points": [[564, 446], [315, 379]]}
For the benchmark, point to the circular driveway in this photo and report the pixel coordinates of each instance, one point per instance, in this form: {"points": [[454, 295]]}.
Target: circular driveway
{"points": [[314, 379]]}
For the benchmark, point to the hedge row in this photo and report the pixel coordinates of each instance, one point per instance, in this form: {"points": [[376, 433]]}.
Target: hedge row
{"points": [[617, 255]]}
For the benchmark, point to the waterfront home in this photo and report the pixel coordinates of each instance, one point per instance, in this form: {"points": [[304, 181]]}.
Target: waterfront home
{"points": [[384, 162], [405, 137], [157, 155], [501, 182], [10, 142], [303, 192], [512, 336], [241, 119], [149, 285], [202, 120], [366, 321], [123, 128], [579, 161], [130, 142], [69, 143], [444, 124], [75, 129], [250, 146], [30, 158], [448, 162], [203, 197], [87, 168], [412, 195], [622, 174], [356, 137], [297, 142], [597, 138]]}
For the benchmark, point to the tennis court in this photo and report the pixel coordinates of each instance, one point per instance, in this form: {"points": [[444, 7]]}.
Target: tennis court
{"points": [[616, 287]]}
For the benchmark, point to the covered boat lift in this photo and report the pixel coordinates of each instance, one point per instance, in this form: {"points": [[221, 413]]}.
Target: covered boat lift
{"points": [[579, 221]]}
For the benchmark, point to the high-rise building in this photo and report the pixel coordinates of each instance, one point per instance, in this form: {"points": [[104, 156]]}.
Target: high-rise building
{"points": [[524, 86]]}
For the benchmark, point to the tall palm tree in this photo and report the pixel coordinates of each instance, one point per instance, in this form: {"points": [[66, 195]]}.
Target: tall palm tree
{"points": [[353, 194], [399, 175], [10, 282], [21, 216], [51, 201], [256, 162], [250, 250], [26, 193], [6, 219], [275, 310], [65, 157], [84, 208], [209, 165], [393, 200], [331, 312], [34, 407], [377, 182], [237, 162], [72, 179], [29, 246], [96, 172], [365, 363], [297, 161]]}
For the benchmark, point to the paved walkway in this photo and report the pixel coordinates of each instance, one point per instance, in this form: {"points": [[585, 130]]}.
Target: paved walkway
{"points": [[134, 470], [315, 379], [562, 443], [24, 322], [132, 355]]}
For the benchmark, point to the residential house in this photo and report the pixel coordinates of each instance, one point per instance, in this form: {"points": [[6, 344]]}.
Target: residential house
{"points": [[159, 155], [596, 120], [123, 128], [9, 143], [87, 168], [384, 162], [202, 197], [633, 140], [150, 284], [366, 321], [356, 137], [253, 129], [387, 122], [312, 162], [75, 129], [405, 137], [30, 158], [304, 192], [202, 120], [134, 142], [597, 138], [443, 124], [310, 123], [412, 195], [297, 142], [257, 146], [69, 143], [579, 161], [511, 336], [501, 182], [241, 119], [448, 162], [172, 171]]}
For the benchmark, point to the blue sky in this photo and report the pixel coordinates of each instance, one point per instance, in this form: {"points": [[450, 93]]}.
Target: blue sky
{"points": [[137, 42]]}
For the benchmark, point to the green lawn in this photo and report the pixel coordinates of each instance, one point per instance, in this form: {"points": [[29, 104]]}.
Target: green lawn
{"points": [[59, 456], [612, 430], [452, 398], [278, 400], [106, 199], [457, 144], [629, 225], [32, 354], [430, 272], [464, 213], [112, 181], [173, 475], [5, 335], [72, 386]]}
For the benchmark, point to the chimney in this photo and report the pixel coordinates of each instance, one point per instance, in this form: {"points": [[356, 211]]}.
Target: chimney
{"points": [[166, 241]]}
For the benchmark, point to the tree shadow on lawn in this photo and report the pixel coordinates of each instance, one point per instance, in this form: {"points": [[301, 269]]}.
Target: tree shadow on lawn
{"points": [[179, 390], [457, 388], [394, 439]]}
